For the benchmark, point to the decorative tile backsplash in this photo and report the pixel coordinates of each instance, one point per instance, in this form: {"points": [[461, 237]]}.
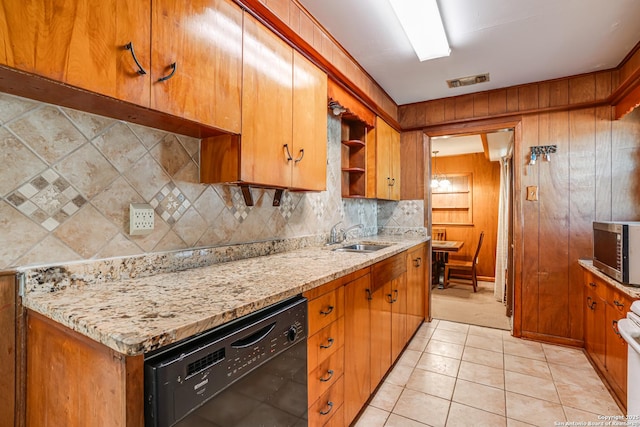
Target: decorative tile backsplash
{"points": [[68, 178]]}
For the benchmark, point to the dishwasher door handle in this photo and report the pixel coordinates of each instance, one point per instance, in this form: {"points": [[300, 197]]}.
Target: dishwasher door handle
{"points": [[254, 338]]}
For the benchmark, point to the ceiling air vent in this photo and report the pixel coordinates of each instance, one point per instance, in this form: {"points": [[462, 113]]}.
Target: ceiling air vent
{"points": [[468, 81]]}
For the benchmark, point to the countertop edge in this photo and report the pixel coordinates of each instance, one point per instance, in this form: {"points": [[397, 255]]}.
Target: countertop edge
{"points": [[53, 307], [630, 291]]}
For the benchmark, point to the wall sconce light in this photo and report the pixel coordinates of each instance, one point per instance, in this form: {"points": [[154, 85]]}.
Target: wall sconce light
{"points": [[541, 150]]}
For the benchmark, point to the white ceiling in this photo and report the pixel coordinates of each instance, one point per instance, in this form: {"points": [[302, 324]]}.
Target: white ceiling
{"points": [[516, 41]]}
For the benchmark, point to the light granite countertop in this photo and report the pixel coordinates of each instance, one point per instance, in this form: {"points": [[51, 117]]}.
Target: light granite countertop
{"points": [[139, 314], [631, 291]]}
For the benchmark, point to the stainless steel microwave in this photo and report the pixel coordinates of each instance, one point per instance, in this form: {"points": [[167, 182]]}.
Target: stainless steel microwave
{"points": [[616, 250]]}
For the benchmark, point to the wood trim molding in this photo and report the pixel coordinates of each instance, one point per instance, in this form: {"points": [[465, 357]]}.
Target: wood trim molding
{"points": [[629, 102], [552, 339]]}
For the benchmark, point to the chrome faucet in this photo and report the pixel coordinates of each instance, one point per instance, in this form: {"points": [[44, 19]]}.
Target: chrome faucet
{"points": [[340, 235], [333, 238]]}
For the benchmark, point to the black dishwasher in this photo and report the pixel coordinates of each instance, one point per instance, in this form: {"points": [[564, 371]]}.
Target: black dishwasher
{"points": [[249, 372]]}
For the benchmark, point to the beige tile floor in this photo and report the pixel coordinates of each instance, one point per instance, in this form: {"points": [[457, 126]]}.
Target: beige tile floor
{"points": [[454, 374]]}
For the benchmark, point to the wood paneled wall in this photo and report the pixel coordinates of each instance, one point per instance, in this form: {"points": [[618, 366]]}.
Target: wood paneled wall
{"points": [[486, 190], [594, 175], [412, 171], [553, 95]]}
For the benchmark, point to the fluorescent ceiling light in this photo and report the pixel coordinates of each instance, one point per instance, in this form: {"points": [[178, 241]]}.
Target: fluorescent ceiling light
{"points": [[422, 24]]}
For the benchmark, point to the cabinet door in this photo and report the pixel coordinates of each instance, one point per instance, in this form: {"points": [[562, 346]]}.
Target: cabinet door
{"points": [[594, 327], [616, 347], [394, 164], [267, 84], [357, 336], [383, 154], [398, 315], [309, 150], [380, 333], [203, 38], [80, 43], [416, 261]]}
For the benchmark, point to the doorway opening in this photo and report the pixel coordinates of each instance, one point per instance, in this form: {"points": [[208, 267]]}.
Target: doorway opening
{"points": [[471, 206]]}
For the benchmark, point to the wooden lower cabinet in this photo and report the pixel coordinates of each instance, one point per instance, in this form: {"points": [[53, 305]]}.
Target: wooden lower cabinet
{"points": [[604, 306], [8, 347], [594, 319], [616, 355], [380, 332], [73, 381], [357, 345], [398, 303], [416, 290]]}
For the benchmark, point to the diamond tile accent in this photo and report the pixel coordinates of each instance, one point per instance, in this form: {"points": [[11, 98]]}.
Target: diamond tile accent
{"points": [[317, 204], [239, 209], [409, 208], [286, 205], [48, 199], [170, 203]]}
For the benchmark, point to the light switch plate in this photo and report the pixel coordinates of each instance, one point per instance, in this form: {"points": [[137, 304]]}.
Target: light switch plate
{"points": [[532, 193], [141, 219]]}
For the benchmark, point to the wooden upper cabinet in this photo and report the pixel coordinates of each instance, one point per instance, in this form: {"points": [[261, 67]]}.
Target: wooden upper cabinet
{"points": [[284, 120], [386, 184], [80, 43], [267, 103], [309, 125], [203, 38]]}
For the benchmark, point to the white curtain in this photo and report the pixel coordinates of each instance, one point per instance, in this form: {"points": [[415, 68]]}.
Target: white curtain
{"points": [[503, 232]]}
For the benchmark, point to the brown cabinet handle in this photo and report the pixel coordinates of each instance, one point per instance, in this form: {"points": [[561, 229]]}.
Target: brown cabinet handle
{"points": [[369, 296], [329, 343], [593, 305], [589, 302], [330, 405], [287, 152], [417, 262], [618, 304], [391, 299], [328, 378], [129, 47], [301, 156], [328, 312], [593, 285], [173, 67], [614, 325]]}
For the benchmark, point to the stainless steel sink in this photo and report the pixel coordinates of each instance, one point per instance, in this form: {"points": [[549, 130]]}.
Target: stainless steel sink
{"points": [[361, 247]]}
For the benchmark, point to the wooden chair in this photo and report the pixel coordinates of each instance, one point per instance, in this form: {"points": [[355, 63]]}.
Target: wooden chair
{"points": [[468, 268], [438, 234]]}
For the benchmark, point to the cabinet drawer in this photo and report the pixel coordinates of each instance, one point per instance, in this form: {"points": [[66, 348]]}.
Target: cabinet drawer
{"points": [[325, 342], [596, 285], [325, 309], [619, 301], [325, 374], [388, 269], [328, 405]]}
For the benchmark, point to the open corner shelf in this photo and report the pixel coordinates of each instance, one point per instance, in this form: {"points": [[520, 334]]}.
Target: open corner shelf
{"points": [[353, 165]]}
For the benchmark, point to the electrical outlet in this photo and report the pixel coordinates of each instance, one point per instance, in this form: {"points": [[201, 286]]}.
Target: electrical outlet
{"points": [[532, 193], [141, 219]]}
